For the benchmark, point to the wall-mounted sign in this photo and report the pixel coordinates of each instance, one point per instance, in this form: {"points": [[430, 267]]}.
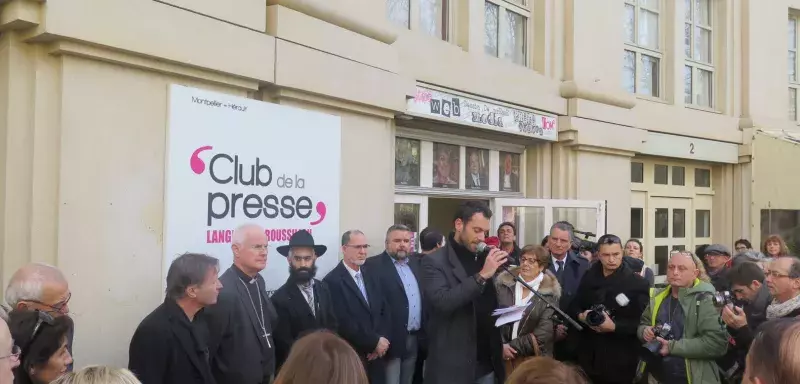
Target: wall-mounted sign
{"points": [[463, 110], [660, 144]]}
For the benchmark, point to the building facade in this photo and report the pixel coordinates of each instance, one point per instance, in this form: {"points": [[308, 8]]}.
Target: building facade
{"points": [[654, 119]]}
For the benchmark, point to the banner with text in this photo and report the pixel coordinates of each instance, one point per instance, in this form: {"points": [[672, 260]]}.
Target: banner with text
{"points": [[232, 161], [459, 109]]}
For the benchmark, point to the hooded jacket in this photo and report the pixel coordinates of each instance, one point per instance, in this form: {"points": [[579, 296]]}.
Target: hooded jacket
{"points": [[537, 318], [704, 336]]}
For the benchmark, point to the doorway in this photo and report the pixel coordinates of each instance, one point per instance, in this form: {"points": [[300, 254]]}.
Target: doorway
{"points": [[441, 211]]}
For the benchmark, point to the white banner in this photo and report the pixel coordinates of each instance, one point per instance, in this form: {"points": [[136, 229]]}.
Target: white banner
{"points": [[463, 110], [232, 161]]}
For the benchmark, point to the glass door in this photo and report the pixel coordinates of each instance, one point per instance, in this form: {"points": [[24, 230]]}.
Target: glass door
{"points": [[411, 211], [533, 217], [672, 230]]}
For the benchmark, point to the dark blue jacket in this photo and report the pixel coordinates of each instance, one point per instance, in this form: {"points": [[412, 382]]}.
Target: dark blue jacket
{"points": [[574, 268]]}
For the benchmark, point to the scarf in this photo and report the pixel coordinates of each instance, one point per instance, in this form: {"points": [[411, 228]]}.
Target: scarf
{"points": [[777, 310]]}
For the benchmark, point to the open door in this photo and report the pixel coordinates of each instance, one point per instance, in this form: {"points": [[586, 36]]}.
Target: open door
{"points": [[533, 217]]}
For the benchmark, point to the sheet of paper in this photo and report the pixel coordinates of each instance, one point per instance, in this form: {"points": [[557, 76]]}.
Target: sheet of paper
{"points": [[509, 317], [500, 311]]}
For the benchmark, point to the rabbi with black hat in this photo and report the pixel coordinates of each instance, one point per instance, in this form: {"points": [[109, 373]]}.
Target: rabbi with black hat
{"points": [[304, 303]]}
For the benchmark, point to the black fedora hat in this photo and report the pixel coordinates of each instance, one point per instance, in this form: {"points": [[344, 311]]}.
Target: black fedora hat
{"points": [[302, 238]]}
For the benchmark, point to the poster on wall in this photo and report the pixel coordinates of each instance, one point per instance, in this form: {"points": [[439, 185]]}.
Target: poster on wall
{"points": [[232, 161], [477, 168], [446, 158], [509, 172]]}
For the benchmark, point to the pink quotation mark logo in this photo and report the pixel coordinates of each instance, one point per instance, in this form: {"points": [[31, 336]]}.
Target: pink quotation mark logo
{"points": [[322, 210], [195, 162]]}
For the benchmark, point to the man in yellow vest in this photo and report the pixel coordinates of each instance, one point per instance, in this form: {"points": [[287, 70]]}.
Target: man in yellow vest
{"points": [[687, 353]]}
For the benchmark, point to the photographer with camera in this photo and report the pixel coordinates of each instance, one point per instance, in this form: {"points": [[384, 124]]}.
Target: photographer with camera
{"points": [[609, 300], [748, 287], [681, 327]]}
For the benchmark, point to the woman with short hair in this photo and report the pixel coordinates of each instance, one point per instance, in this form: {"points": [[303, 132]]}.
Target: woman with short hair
{"points": [[42, 339], [99, 375]]}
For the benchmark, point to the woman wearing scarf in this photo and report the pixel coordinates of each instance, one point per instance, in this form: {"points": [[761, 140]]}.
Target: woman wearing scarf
{"points": [[533, 334]]}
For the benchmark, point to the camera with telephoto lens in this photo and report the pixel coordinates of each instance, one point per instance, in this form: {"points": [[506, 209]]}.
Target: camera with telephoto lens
{"points": [[663, 331], [722, 299], [596, 315]]}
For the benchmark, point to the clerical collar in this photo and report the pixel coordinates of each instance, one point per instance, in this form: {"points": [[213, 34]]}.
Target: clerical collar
{"points": [[243, 276]]}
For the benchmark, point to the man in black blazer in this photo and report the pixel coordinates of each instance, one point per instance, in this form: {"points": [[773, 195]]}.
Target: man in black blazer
{"points": [[241, 322], [171, 343], [361, 308], [400, 276], [304, 303], [464, 345], [569, 268]]}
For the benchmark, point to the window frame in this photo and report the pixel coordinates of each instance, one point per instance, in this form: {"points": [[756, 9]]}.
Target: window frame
{"points": [[521, 8], [794, 85], [640, 51], [694, 63]]}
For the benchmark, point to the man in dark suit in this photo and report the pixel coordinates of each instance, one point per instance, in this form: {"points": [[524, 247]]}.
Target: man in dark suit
{"points": [[464, 345], [569, 268], [400, 276], [476, 177], [304, 303], [242, 320], [364, 319], [171, 343]]}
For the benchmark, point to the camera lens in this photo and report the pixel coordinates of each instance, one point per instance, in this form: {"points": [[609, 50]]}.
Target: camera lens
{"points": [[595, 318]]}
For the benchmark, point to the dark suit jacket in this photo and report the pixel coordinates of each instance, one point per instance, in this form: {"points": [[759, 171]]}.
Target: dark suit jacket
{"points": [[240, 352], [397, 300], [166, 348], [574, 268], [362, 324], [295, 318], [471, 183], [452, 329]]}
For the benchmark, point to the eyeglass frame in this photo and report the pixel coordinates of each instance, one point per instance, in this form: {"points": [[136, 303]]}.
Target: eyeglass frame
{"points": [[57, 307]]}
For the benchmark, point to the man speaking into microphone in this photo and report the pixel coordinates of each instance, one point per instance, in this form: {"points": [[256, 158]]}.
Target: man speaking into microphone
{"points": [[464, 345]]}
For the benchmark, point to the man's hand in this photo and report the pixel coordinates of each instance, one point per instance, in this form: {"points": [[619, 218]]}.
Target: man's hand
{"points": [[383, 345], [582, 316], [561, 332], [494, 260], [508, 352], [372, 356], [664, 346], [607, 326], [734, 317], [648, 335]]}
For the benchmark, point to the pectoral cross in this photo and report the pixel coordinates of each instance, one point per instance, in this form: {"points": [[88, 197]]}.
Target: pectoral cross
{"points": [[266, 337]]}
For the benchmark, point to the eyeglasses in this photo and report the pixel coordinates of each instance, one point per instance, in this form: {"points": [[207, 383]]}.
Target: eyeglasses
{"points": [[529, 261], [15, 352], [776, 274], [359, 246], [57, 307]]}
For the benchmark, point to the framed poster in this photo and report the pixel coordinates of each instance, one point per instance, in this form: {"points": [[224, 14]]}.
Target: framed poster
{"points": [[477, 172], [509, 172], [406, 161], [445, 165]]}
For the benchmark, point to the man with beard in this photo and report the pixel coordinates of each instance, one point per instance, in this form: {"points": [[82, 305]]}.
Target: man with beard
{"points": [[304, 303], [241, 322], [400, 276]]}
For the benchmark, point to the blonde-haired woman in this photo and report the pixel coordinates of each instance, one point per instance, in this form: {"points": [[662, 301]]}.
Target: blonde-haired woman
{"points": [[99, 375]]}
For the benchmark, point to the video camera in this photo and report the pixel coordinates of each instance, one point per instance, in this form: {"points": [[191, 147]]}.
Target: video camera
{"points": [[596, 315], [580, 245]]}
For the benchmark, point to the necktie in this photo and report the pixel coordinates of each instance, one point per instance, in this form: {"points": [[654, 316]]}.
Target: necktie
{"points": [[560, 270], [308, 290], [360, 283]]}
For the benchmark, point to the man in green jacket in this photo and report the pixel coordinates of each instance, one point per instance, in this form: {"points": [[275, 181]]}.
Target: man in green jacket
{"points": [[698, 336]]}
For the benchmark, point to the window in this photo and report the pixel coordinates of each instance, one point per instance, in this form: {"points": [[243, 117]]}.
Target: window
{"points": [[702, 177], [678, 175], [637, 223], [637, 172], [505, 27], [642, 55], [698, 72], [661, 174], [661, 230], [702, 223], [679, 223], [792, 64], [433, 15]]}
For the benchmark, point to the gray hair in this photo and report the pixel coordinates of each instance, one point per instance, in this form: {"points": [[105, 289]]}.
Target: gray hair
{"points": [[240, 232], [28, 282], [794, 269], [566, 227], [99, 375], [187, 270], [347, 235], [397, 227]]}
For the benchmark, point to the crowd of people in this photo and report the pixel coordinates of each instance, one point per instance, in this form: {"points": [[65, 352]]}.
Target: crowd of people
{"points": [[458, 312]]}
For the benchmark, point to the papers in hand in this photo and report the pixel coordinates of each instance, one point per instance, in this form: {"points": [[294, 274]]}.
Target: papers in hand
{"points": [[509, 314]]}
